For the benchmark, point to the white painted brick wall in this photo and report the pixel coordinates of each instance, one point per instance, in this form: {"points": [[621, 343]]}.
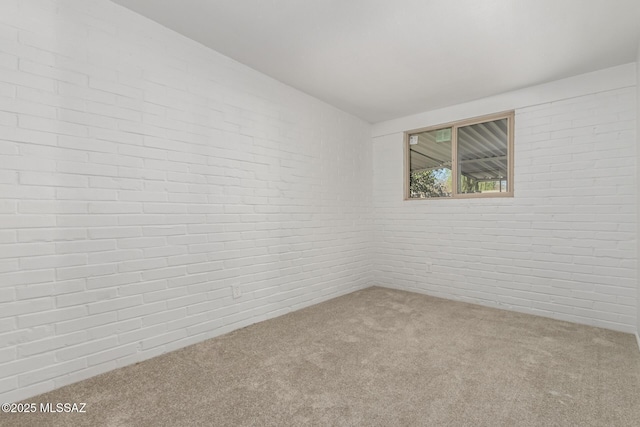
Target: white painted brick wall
{"points": [[563, 247], [638, 185], [142, 176]]}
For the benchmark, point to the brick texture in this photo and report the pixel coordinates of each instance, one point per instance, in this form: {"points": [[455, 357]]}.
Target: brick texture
{"points": [[563, 247], [142, 177]]}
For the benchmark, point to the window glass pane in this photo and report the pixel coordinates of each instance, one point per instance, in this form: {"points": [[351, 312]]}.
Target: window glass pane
{"points": [[430, 164], [482, 157]]}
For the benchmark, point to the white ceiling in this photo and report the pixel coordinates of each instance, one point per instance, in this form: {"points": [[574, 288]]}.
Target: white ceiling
{"points": [[383, 59]]}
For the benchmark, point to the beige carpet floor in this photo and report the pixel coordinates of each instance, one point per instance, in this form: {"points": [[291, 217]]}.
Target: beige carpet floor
{"points": [[377, 357]]}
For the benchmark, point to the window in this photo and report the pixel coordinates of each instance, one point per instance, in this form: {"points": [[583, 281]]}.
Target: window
{"points": [[470, 158]]}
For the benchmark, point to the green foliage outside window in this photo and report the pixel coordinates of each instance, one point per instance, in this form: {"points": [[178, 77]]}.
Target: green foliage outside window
{"points": [[437, 183], [430, 183], [470, 185]]}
